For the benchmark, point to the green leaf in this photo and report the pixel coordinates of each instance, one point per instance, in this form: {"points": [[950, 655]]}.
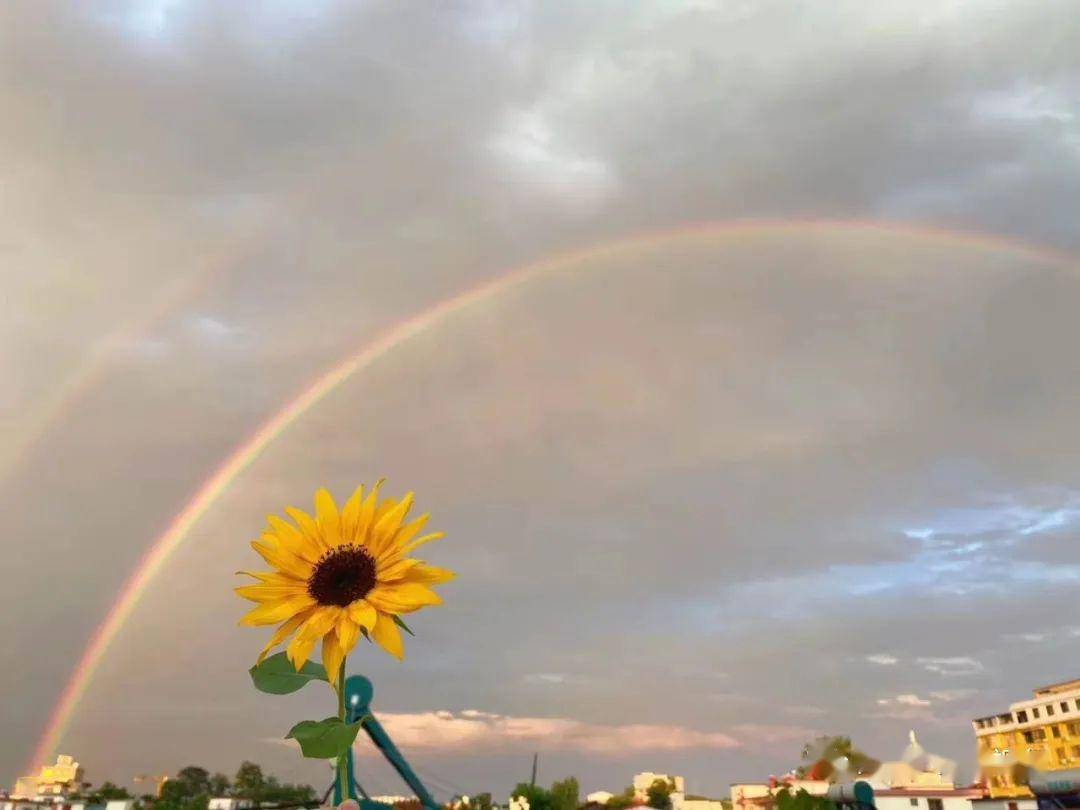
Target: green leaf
{"points": [[324, 739], [401, 623], [278, 676]]}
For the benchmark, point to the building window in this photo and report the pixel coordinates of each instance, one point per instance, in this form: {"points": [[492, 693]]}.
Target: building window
{"points": [[1049, 710], [1028, 737], [1035, 711], [1021, 716], [1012, 805], [1064, 707], [913, 802], [1074, 729], [935, 804], [1076, 750], [1056, 732]]}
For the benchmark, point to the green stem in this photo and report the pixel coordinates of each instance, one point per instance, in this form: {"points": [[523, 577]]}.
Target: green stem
{"points": [[342, 764]]}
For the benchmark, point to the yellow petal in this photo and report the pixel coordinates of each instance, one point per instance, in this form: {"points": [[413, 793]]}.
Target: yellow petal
{"points": [[270, 593], [332, 657], [362, 614], [367, 512], [292, 539], [347, 632], [387, 636], [282, 560], [299, 651], [308, 527], [402, 597], [429, 574], [395, 570], [274, 612], [427, 538], [383, 508], [320, 622], [282, 633], [272, 577], [350, 514], [328, 519], [386, 527], [410, 530]]}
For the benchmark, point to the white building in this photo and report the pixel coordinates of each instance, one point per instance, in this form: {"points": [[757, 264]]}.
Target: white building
{"points": [[696, 804], [225, 803], [643, 781], [599, 797], [927, 798], [1005, 803]]}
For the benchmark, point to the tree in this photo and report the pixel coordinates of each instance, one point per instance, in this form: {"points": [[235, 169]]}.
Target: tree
{"points": [[219, 785], [195, 780], [108, 792], [177, 794], [481, 801], [564, 794], [621, 801], [538, 798], [249, 781], [658, 794]]}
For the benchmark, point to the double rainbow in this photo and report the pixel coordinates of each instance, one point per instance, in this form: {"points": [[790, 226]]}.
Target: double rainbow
{"points": [[249, 451]]}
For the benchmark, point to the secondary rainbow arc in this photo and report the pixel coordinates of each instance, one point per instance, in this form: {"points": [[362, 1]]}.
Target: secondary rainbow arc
{"points": [[400, 333]]}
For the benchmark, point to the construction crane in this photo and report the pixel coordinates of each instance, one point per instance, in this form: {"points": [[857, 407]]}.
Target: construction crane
{"points": [[159, 781]]}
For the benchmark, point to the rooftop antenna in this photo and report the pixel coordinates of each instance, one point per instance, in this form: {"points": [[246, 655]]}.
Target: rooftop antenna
{"points": [[532, 782]]}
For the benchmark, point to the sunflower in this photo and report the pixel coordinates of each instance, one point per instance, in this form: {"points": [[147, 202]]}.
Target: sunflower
{"points": [[341, 574]]}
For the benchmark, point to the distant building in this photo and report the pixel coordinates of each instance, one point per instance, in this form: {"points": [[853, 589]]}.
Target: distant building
{"points": [[643, 781], [918, 781], [62, 779], [697, 804], [599, 797], [941, 798], [762, 796], [757, 795], [227, 803], [1042, 733]]}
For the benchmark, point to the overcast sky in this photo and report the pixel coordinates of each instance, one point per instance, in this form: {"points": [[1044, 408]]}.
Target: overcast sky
{"points": [[708, 494]]}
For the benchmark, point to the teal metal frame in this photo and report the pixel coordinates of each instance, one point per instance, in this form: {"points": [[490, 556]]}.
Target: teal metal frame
{"points": [[358, 694]]}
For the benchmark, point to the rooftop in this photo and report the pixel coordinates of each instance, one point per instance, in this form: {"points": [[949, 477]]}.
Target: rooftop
{"points": [[1058, 688]]}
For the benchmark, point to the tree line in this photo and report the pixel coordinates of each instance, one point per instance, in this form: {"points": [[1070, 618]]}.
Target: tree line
{"points": [[193, 787]]}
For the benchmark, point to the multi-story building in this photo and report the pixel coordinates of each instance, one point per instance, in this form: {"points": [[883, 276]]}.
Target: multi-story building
{"points": [[1041, 733], [53, 781]]}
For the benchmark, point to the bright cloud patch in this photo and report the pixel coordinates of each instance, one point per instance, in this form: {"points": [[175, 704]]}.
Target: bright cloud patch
{"points": [[883, 659], [957, 665], [904, 700], [473, 730]]}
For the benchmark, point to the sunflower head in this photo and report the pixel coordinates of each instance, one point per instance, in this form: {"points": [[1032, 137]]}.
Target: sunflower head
{"points": [[341, 574]]}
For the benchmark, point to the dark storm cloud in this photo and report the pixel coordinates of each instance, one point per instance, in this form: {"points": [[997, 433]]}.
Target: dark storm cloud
{"points": [[878, 464]]}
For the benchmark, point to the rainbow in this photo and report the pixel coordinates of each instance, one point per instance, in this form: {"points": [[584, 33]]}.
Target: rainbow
{"points": [[63, 398], [247, 452]]}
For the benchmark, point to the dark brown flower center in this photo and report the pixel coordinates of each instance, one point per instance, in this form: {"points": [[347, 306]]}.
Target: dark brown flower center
{"points": [[342, 576]]}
